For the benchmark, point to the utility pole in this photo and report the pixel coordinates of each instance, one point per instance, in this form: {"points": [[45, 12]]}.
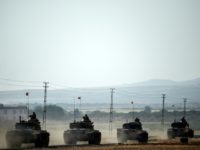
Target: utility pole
{"points": [[163, 110], [45, 100], [111, 111], [184, 108]]}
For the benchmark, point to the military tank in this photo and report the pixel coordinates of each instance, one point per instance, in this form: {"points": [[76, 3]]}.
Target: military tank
{"points": [[82, 131], [132, 131], [27, 132], [181, 130]]}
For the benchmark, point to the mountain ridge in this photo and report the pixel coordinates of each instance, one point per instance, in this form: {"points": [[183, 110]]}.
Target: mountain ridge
{"points": [[143, 92]]}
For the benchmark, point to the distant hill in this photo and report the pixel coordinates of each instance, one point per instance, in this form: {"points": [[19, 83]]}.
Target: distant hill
{"points": [[155, 82], [161, 82], [147, 92]]}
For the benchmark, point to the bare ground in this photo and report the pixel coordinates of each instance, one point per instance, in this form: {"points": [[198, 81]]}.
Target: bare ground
{"points": [[130, 147]]}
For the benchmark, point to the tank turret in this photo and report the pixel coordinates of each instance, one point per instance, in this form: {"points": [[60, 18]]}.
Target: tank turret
{"points": [[33, 123], [82, 131], [81, 124], [27, 132]]}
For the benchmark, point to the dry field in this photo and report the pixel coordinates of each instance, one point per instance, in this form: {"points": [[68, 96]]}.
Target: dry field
{"points": [[109, 142], [130, 147]]}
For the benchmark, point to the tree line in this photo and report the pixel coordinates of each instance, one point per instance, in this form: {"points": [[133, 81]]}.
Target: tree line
{"points": [[58, 113]]}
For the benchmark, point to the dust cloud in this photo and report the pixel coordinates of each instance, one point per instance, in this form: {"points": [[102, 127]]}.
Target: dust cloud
{"points": [[57, 128], [4, 127], [2, 140]]}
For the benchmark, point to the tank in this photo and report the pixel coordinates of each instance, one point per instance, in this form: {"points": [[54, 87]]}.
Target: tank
{"points": [[82, 131], [27, 132], [181, 130], [132, 131]]}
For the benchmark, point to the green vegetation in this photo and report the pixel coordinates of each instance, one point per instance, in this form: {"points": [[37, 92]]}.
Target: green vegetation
{"points": [[57, 113], [53, 112]]}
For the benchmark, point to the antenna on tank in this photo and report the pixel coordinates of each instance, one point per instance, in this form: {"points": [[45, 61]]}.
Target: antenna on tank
{"points": [[79, 98], [132, 109], [27, 95], [74, 111], [45, 100], [184, 107]]}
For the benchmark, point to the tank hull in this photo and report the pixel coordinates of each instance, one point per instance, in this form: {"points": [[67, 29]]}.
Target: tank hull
{"points": [[123, 135], [73, 135], [180, 132], [15, 138]]}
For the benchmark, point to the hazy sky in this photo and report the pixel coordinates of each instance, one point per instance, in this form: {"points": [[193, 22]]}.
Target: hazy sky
{"points": [[99, 42]]}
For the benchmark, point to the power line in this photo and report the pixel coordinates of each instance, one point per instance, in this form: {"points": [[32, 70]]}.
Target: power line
{"points": [[59, 85], [13, 80], [23, 85], [19, 83]]}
